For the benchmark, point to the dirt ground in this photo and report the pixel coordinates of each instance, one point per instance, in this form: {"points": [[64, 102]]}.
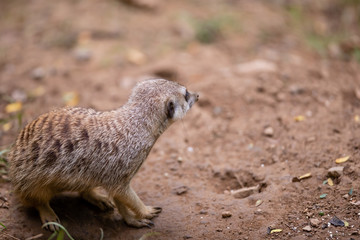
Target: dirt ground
{"points": [[279, 85]]}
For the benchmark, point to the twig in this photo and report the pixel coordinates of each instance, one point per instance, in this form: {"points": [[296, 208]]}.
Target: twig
{"points": [[5, 234], [35, 237]]}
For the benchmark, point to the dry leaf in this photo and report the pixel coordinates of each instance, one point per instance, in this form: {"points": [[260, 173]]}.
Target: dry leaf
{"points": [[258, 202], [136, 57], [71, 99], [276, 230], [13, 107], [299, 118], [307, 175], [330, 182], [357, 118], [7, 126], [342, 160], [84, 37], [37, 92]]}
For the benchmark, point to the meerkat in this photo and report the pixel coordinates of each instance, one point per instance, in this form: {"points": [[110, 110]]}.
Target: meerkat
{"points": [[78, 149]]}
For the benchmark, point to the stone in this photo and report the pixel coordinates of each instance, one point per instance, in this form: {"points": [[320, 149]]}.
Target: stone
{"points": [[181, 190], [335, 172], [269, 131], [307, 228], [256, 66], [38, 73], [82, 54], [226, 214], [245, 192], [203, 211], [315, 222]]}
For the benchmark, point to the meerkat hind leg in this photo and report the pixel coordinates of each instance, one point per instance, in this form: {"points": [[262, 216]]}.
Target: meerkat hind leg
{"points": [[129, 200], [130, 219], [97, 199]]}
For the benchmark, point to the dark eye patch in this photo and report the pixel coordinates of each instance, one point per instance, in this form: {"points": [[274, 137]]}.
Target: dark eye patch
{"points": [[187, 96]]}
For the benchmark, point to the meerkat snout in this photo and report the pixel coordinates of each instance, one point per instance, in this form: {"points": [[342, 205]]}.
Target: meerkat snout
{"points": [[79, 149]]}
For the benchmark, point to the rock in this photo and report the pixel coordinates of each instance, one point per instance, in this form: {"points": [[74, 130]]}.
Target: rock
{"points": [[346, 196], [226, 214], [337, 222], [269, 131], [245, 192], [203, 211], [256, 66], [19, 95], [181, 190], [82, 54], [307, 228], [335, 172], [187, 237], [295, 89], [143, 4], [38, 73], [315, 222]]}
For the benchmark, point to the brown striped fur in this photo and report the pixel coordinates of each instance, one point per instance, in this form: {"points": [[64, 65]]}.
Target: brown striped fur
{"points": [[78, 149]]}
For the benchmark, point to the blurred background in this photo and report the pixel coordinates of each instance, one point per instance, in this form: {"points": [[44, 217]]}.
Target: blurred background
{"points": [[279, 96]]}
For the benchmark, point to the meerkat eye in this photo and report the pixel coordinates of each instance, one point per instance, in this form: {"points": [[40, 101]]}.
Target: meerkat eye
{"points": [[187, 96]]}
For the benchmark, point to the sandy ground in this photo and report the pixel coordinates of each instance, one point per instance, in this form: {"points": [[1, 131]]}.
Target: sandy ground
{"points": [[271, 109]]}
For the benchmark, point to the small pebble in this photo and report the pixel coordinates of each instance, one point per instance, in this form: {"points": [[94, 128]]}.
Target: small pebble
{"points": [[181, 190], [19, 95], [269, 131], [307, 228], [38, 73], [203, 212], [335, 172], [315, 222], [226, 214], [82, 54]]}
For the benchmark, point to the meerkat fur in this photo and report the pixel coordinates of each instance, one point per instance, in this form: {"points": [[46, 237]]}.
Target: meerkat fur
{"points": [[79, 149]]}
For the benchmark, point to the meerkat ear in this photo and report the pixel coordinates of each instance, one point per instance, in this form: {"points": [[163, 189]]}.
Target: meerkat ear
{"points": [[170, 109]]}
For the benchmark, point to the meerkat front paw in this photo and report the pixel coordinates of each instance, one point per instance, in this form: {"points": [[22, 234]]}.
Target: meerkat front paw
{"points": [[47, 215], [152, 212]]}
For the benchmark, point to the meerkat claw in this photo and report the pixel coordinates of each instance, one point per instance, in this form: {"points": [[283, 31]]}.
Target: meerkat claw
{"points": [[140, 223], [159, 209], [153, 212]]}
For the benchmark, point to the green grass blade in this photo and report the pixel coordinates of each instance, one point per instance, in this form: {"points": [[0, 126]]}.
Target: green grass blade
{"points": [[101, 234], [61, 227], [60, 235], [4, 227]]}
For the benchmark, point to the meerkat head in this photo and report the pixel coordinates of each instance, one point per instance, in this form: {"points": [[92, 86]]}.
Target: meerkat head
{"points": [[168, 97]]}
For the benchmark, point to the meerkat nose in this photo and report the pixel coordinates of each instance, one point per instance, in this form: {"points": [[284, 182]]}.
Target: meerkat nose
{"points": [[197, 96]]}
